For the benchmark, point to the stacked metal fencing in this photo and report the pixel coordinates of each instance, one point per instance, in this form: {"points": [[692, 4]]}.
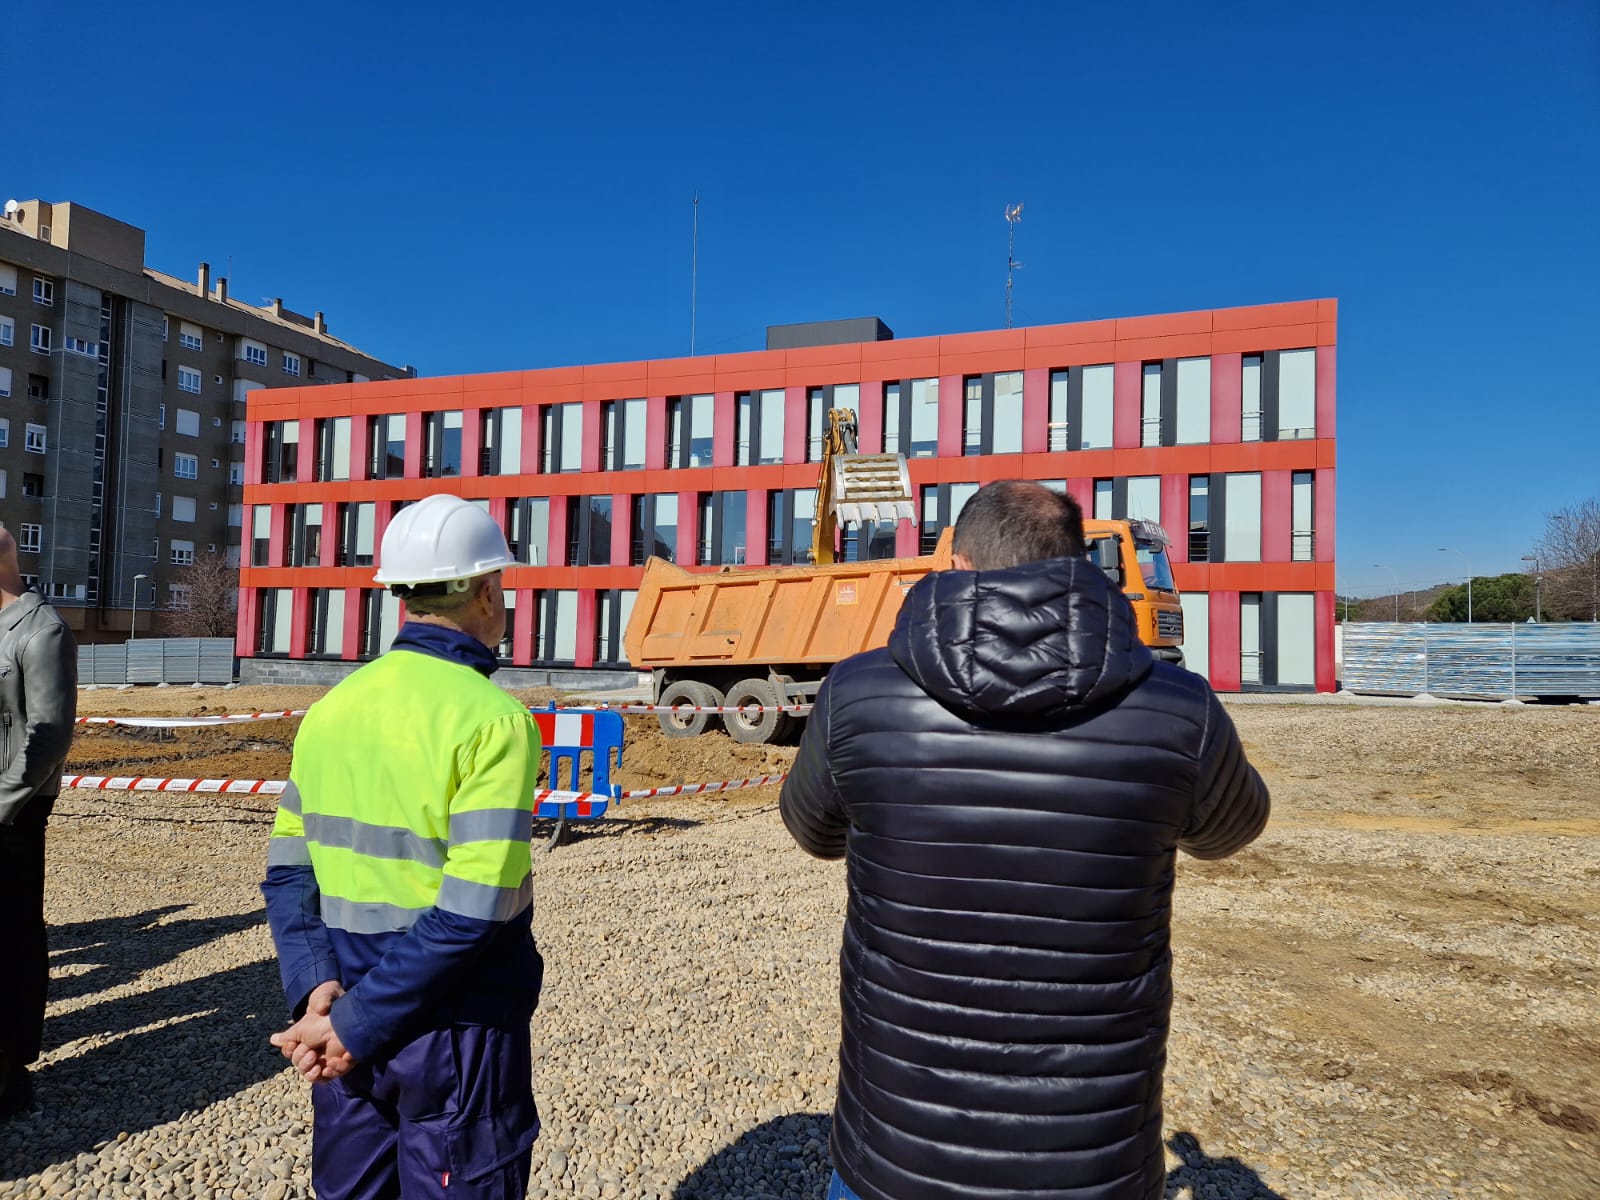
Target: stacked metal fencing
{"points": [[158, 660], [1476, 662]]}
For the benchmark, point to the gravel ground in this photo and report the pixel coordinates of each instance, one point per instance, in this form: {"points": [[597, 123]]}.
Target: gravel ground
{"points": [[1392, 994]]}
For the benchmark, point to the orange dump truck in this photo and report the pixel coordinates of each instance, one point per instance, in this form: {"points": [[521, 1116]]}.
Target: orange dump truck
{"points": [[755, 638]]}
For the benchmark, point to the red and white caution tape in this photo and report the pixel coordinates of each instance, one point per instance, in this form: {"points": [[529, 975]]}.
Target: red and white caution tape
{"points": [[143, 783], [189, 722], [705, 708], [691, 789]]}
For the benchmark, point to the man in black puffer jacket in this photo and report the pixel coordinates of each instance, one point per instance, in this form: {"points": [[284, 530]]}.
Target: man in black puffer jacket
{"points": [[1009, 780]]}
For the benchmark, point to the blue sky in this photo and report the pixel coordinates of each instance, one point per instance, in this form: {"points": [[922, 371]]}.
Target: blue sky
{"points": [[470, 190]]}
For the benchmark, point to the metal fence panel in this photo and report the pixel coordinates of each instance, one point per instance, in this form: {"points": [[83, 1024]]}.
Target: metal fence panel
{"points": [[1486, 662], [158, 660]]}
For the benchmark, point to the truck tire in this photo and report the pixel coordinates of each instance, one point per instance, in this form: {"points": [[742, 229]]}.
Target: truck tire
{"points": [[685, 725], [755, 727]]}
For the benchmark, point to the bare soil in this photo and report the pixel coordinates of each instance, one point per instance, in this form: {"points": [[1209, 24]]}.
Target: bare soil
{"points": [[1405, 962]]}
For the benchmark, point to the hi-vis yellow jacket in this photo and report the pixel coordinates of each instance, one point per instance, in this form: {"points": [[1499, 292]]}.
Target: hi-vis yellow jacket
{"points": [[399, 862]]}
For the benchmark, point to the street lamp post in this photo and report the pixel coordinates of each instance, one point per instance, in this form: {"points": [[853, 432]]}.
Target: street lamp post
{"points": [[1538, 579], [1468, 561], [1396, 574], [133, 625]]}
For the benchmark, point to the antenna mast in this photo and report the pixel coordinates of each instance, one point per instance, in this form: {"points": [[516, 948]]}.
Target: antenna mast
{"points": [[694, 271], [1013, 215]]}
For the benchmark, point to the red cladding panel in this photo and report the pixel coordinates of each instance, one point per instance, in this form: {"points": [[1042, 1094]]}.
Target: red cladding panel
{"points": [[359, 432], [1227, 397], [688, 514], [952, 409], [583, 656], [869, 418], [471, 441], [1327, 379], [621, 528], [299, 620], [1175, 514], [794, 425], [593, 435], [413, 445], [351, 648], [1276, 515], [1322, 619], [755, 528], [1081, 489], [558, 530], [1322, 516], [1125, 401], [522, 625], [655, 433], [1035, 410], [1224, 608]]}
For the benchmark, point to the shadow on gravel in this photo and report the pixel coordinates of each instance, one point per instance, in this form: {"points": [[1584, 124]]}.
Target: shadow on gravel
{"points": [[118, 949], [608, 827], [210, 1043], [785, 1158], [1207, 1176]]}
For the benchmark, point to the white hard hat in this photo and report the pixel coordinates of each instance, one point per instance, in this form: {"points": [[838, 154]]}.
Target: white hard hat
{"points": [[441, 539]]}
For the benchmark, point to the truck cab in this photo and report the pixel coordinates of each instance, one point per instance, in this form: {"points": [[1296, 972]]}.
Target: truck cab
{"points": [[1133, 554]]}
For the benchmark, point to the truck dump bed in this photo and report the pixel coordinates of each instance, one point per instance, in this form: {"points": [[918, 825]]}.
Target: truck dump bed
{"points": [[769, 615]]}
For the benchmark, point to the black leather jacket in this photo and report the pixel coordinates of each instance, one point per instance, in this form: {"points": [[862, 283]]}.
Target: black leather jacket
{"points": [[38, 703], [1009, 780]]}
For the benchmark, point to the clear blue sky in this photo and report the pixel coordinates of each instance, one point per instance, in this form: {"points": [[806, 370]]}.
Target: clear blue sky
{"points": [[498, 187]]}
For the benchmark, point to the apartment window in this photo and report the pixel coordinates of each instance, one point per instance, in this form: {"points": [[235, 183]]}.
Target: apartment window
{"points": [[31, 538], [1191, 420], [500, 442], [253, 353], [333, 448], [236, 474], [261, 535], [1130, 497], [1301, 535], [164, 329], [612, 610], [508, 640], [5, 432], [1297, 394], [380, 621], [235, 516], [275, 613], [34, 439], [689, 431], [186, 466], [157, 511], [2, 484], [386, 440], [189, 380], [188, 423], [1150, 406], [442, 444], [183, 509], [1057, 426], [280, 452], [759, 437], [791, 514], [528, 530], [327, 622], [178, 596], [623, 430], [1250, 399], [1241, 517], [236, 433], [8, 331], [562, 430], [993, 414], [32, 485], [1199, 518], [555, 627], [39, 339], [190, 337], [589, 531], [305, 534], [720, 538], [291, 363], [819, 402], [8, 280], [911, 417], [180, 553], [161, 416], [356, 537], [44, 292], [1105, 499], [653, 527], [5, 381], [941, 505]]}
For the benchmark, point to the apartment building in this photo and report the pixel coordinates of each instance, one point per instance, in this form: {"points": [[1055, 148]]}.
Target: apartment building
{"points": [[1218, 424], [122, 411]]}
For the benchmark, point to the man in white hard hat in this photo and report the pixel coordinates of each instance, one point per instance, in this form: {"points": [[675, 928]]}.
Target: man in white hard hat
{"points": [[399, 894]]}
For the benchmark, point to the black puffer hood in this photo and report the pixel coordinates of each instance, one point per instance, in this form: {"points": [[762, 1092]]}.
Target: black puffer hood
{"points": [[1026, 641]]}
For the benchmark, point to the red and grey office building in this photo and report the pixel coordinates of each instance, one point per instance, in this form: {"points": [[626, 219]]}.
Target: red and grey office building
{"points": [[1217, 424]]}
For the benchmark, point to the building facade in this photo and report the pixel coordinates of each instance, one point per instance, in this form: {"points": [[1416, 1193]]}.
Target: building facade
{"points": [[122, 411], [1219, 425]]}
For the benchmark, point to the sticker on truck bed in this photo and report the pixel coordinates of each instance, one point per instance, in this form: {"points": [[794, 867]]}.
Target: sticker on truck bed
{"points": [[845, 593]]}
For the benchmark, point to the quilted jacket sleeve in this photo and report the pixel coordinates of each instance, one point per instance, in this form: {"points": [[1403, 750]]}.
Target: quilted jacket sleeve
{"points": [[1231, 802], [810, 802]]}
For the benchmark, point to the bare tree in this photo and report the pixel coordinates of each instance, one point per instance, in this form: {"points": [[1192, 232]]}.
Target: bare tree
{"points": [[209, 606], [1568, 556]]}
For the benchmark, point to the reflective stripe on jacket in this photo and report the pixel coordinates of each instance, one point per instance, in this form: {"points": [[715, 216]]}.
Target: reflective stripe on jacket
{"points": [[403, 839]]}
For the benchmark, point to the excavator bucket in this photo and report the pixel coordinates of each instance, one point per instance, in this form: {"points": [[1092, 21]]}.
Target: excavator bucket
{"points": [[872, 487]]}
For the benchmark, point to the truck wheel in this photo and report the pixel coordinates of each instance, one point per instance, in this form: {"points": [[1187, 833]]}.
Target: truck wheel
{"points": [[692, 724], [757, 727]]}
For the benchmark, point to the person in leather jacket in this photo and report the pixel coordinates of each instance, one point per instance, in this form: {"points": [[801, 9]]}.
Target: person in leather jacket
{"points": [[1009, 780], [38, 705]]}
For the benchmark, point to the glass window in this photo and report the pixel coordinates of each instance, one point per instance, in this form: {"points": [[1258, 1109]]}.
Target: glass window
{"points": [[529, 530], [1099, 390], [1105, 499], [623, 423], [1297, 394], [1194, 401], [333, 448], [1242, 517], [556, 626], [924, 418], [1005, 429], [1250, 399], [261, 535], [562, 429], [653, 527], [185, 466], [1301, 543], [1060, 391], [1144, 498], [1150, 408], [444, 444], [1199, 518], [689, 431], [387, 446]]}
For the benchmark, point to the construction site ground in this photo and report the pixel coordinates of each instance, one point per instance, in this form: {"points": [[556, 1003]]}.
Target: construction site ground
{"points": [[1392, 993]]}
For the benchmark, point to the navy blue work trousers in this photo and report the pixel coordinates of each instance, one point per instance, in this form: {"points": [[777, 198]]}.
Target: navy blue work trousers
{"points": [[451, 1116]]}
